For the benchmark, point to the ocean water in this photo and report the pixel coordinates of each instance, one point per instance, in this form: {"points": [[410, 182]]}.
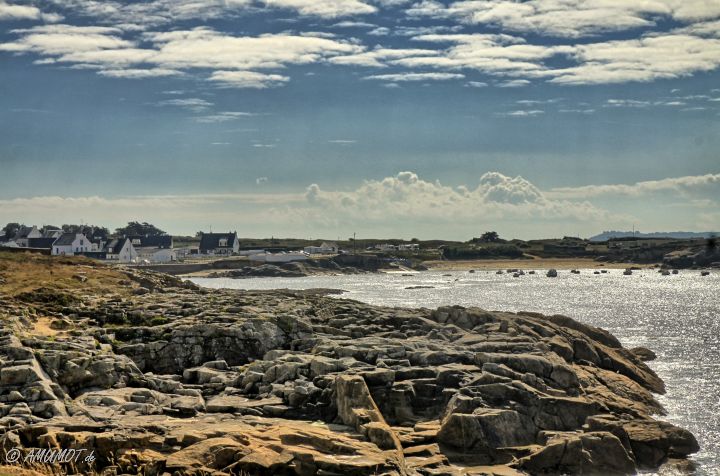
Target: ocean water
{"points": [[677, 316]]}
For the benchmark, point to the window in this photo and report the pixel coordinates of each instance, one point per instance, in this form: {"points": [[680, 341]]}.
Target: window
{"points": [[223, 242]]}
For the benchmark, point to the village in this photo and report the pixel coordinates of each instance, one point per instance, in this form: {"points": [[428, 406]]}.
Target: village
{"points": [[159, 248], [143, 244]]}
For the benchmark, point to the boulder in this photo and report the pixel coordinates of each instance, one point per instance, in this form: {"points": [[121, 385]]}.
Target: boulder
{"points": [[595, 453]]}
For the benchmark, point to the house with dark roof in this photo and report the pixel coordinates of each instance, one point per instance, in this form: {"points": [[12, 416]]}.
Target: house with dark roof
{"points": [[154, 248], [71, 244], [121, 249], [41, 243], [24, 234], [52, 233], [152, 241], [219, 243]]}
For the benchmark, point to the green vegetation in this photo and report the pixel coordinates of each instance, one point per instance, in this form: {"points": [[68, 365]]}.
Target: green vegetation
{"points": [[137, 228]]}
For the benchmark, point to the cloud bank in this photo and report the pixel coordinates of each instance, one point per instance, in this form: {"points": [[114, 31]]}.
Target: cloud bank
{"points": [[400, 205]]}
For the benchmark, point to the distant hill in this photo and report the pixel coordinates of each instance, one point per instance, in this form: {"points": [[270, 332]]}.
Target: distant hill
{"points": [[683, 235]]}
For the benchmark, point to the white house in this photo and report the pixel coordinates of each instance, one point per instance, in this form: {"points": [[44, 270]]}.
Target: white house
{"points": [[154, 248], [122, 250], [71, 244]]}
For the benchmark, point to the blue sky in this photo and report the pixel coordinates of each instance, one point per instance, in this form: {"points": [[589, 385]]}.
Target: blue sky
{"points": [[382, 117]]}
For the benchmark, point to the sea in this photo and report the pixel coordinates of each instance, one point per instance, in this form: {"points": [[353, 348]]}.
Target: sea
{"points": [[676, 316]]}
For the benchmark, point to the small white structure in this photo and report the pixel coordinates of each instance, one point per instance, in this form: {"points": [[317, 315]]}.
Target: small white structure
{"points": [[71, 244], [387, 247], [156, 255], [280, 257], [184, 252], [122, 250], [324, 249]]}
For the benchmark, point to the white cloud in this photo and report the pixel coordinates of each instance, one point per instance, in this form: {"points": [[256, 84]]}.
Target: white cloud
{"points": [[691, 183], [569, 18], [626, 103], [248, 79], [193, 104], [379, 31], [205, 48], [406, 197], [514, 83], [522, 113], [416, 77], [324, 8], [653, 56], [502, 55], [224, 116], [660, 56], [26, 12], [55, 40], [232, 58], [132, 73], [139, 16], [123, 47], [354, 24], [476, 84], [379, 56]]}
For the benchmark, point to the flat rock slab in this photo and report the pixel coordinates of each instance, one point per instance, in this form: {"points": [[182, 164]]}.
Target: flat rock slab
{"points": [[233, 403]]}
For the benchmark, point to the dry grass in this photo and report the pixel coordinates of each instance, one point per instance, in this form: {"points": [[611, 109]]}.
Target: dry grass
{"points": [[25, 272], [41, 328]]}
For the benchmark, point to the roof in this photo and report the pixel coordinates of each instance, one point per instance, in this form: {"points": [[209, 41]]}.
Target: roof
{"points": [[45, 243], [23, 232], [211, 241], [115, 246], [65, 239], [154, 241]]}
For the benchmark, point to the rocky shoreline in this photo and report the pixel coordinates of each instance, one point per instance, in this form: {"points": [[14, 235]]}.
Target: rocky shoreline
{"points": [[157, 376], [289, 270]]}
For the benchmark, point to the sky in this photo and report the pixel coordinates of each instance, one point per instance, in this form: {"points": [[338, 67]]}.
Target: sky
{"points": [[385, 118]]}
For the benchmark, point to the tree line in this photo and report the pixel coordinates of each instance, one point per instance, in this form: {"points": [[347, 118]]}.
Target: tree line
{"points": [[133, 228]]}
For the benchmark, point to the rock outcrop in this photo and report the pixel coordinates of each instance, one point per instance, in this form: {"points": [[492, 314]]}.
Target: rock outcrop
{"points": [[179, 380]]}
